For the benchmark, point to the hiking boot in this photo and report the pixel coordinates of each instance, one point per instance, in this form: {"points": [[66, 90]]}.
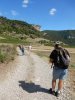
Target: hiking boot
{"points": [[57, 94], [51, 92]]}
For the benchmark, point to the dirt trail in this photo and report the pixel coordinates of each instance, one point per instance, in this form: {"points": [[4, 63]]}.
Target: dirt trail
{"points": [[28, 78]]}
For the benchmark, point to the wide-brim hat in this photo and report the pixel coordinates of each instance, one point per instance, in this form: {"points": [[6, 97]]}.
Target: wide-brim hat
{"points": [[57, 43]]}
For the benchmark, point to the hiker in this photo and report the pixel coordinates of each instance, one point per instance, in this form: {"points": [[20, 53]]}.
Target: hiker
{"points": [[19, 47], [23, 50], [60, 59]]}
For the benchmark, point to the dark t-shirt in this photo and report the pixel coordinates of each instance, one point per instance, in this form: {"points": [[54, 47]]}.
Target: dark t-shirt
{"points": [[54, 56]]}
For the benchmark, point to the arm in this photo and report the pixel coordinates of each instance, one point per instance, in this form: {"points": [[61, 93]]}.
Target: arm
{"points": [[51, 57], [50, 60]]}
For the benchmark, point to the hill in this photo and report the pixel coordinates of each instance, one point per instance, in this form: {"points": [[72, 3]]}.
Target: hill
{"points": [[8, 26], [16, 31], [65, 36]]}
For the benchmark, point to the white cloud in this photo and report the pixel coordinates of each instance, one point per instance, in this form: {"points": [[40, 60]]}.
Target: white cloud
{"points": [[52, 11], [14, 13], [25, 3], [25, 6]]}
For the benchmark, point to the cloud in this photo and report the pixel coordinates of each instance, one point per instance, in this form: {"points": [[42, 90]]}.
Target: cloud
{"points": [[25, 3], [52, 11], [25, 6], [14, 13]]}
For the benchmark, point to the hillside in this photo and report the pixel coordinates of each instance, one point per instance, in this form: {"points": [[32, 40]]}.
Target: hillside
{"points": [[66, 36], [16, 31], [13, 27]]}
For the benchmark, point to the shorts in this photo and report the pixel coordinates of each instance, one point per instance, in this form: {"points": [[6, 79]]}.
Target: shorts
{"points": [[60, 74]]}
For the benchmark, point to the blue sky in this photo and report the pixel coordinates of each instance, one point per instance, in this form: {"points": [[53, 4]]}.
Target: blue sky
{"points": [[50, 14]]}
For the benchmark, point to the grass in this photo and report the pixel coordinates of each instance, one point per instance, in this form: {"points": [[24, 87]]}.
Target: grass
{"points": [[11, 39], [72, 64], [2, 57], [47, 53], [7, 53], [43, 53]]}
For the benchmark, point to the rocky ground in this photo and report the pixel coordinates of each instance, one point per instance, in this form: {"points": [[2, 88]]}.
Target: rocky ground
{"points": [[29, 77]]}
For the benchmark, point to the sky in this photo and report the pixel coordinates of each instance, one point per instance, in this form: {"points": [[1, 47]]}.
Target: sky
{"points": [[49, 14]]}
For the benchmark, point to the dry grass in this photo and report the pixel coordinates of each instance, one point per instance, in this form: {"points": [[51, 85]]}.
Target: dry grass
{"points": [[7, 53], [44, 51]]}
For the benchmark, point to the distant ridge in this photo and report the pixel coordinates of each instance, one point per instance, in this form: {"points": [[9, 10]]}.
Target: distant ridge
{"points": [[66, 36]]}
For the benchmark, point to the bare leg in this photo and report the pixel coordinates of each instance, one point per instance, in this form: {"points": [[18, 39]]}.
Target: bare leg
{"points": [[53, 84], [60, 85]]}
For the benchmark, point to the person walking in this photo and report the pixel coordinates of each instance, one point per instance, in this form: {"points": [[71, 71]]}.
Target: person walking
{"points": [[60, 59], [23, 50]]}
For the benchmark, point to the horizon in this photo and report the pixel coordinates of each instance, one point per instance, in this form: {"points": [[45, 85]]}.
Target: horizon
{"points": [[50, 15]]}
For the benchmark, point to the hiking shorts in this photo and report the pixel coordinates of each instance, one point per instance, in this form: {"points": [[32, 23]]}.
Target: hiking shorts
{"points": [[60, 74]]}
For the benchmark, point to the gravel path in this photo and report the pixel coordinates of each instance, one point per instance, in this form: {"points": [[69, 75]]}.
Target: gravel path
{"points": [[29, 78]]}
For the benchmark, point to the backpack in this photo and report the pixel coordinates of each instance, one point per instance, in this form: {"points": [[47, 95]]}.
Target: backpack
{"points": [[63, 58]]}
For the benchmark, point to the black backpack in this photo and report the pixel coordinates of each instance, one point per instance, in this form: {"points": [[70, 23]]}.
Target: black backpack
{"points": [[63, 58]]}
